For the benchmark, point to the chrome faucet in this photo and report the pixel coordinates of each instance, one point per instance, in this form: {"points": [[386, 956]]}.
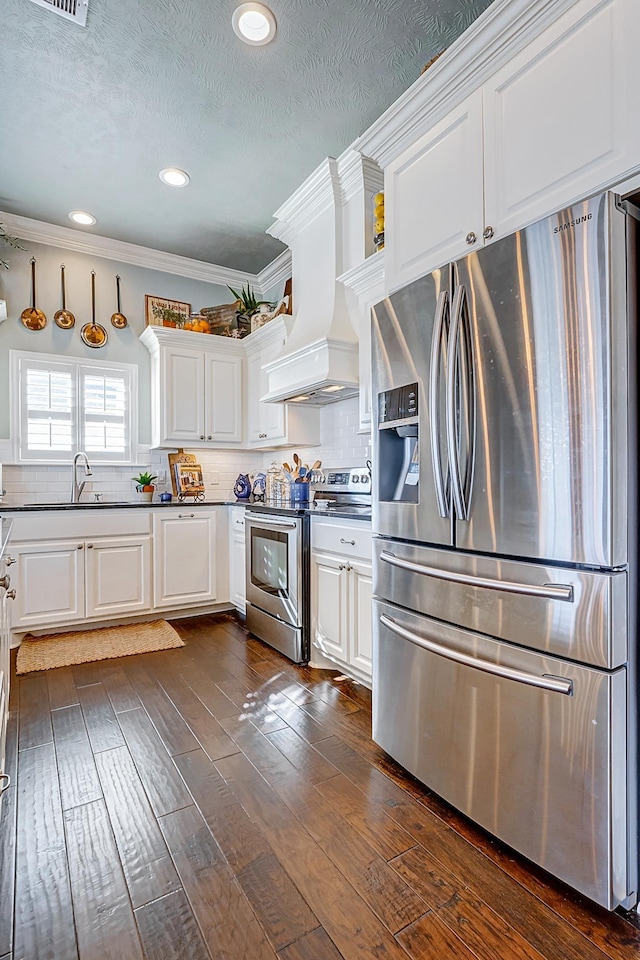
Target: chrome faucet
{"points": [[77, 488]]}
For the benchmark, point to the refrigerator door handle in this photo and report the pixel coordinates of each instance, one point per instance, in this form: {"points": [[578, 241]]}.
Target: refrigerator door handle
{"points": [[452, 404], [544, 681], [440, 334], [547, 591], [461, 402]]}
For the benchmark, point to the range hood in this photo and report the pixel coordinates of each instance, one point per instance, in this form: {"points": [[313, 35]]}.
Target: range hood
{"points": [[319, 362]]}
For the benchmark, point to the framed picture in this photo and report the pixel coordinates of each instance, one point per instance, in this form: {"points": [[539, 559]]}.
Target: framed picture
{"points": [[189, 479], [158, 310]]}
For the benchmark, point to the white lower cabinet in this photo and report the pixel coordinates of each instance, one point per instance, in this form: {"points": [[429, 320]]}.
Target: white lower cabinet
{"points": [[341, 590], [118, 577], [5, 595], [186, 562], [237, 554]]}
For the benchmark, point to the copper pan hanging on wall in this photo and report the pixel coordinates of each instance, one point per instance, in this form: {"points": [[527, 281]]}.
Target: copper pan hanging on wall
{"points": [[93, 334], [63, 317], [33, 318]]}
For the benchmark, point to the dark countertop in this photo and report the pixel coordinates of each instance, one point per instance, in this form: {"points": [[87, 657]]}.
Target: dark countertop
{"points": [[104, 505], [5, 533], [344, 513]]}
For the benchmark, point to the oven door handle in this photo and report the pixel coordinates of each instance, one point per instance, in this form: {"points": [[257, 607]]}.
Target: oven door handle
{"points": [[272, 524], [545, 681]]}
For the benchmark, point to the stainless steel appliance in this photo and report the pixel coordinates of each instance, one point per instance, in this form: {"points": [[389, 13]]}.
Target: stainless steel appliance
{"points": [[505, 555], [277, 557], [277, 578]]}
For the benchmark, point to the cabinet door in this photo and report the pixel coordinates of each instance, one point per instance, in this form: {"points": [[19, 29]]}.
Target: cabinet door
{"points": [[266, 421], [181, 396], [237, 555], [185, 558], [562, 119], [118, 577], [223, 399], [434, 196], [4, 681], [360, 593], [329, 606], [49, 583]]}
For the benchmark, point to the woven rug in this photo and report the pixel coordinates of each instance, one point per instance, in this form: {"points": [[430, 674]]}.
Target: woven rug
{"points": [[62, 649]]}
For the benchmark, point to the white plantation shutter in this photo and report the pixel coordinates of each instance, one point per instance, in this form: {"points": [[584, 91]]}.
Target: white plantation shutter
{"points": [[71, 405]]}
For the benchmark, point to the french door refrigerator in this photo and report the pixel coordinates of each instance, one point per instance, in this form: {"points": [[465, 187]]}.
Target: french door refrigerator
{"points": [[505, 571]]}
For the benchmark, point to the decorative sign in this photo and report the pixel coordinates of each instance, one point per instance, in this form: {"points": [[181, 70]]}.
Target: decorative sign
{"points": [[160, 312]]}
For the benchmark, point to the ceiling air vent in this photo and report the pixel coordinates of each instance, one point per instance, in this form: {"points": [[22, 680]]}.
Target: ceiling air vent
{"points": [[75, 10]]}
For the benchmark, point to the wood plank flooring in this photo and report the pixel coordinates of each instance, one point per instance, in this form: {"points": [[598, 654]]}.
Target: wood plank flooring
{"points": [[218, 803]]}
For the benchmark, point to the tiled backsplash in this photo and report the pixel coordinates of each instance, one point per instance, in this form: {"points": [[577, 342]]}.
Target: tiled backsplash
{"points": [[341, 446]]}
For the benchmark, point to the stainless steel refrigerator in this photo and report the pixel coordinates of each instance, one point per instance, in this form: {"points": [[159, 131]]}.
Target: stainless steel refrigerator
{"points": [[505, 553]]}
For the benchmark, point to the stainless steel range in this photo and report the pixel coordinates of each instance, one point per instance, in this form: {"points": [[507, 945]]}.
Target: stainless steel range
{"points": [[277, 564]]}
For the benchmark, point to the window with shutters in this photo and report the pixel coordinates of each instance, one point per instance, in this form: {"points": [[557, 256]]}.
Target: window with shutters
{"points": [[62, 406]]}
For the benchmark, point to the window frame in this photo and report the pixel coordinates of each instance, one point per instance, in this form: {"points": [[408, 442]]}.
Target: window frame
{"points": [[79, 367]]}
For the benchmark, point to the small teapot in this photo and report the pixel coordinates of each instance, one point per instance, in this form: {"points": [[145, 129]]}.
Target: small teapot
{"points": [[242, 487]]}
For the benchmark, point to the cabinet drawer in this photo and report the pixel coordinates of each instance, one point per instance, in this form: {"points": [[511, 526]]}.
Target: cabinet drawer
{"points": [[352, 539], [68, 524], [236, 520]]}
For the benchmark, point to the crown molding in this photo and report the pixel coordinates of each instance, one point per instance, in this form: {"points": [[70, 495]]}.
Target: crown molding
{"points": [[66, 238], [367, 278], [318, 193], [505, 28], [357, 175], [275, 272]]}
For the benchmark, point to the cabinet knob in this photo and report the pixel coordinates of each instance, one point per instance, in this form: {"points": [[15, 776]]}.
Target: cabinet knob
{"points": [[7, 782], [89, 546], [342, 567], [471, 238], [11, 594], [351, 543], [81, 546], [487, 233], [5, 582], [209, 438], [262, 436], [9, 560]]}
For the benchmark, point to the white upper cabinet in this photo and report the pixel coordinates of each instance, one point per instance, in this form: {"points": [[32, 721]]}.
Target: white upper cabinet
{"points": [[547, 114], [561, 120], [434, 196], [196, 388]]}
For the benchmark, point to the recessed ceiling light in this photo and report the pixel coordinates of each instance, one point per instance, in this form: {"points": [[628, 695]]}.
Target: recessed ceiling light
{"points": [[254, 23], [174, 177], [79, 216]]}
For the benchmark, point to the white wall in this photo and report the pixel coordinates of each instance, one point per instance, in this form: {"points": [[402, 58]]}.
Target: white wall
{"points": [[123, 345]]}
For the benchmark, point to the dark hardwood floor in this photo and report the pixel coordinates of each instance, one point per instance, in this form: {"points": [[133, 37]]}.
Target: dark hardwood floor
{"points": [[218, 803]]}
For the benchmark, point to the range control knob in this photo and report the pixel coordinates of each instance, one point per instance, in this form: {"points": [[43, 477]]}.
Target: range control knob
{"points": [[364, 478], [355, 478]]}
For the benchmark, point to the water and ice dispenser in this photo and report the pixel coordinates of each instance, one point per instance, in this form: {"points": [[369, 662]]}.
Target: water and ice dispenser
{"points": [[399, 449]]}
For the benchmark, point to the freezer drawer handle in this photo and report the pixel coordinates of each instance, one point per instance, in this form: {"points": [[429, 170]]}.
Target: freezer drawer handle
{"points": [[545, 682], [548, 591]]}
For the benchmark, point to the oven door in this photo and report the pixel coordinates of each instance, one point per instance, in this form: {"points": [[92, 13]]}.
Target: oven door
{"points": [[274, 562]]}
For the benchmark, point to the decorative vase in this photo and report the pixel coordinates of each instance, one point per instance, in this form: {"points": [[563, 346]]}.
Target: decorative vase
{"points": [[145, 493]]}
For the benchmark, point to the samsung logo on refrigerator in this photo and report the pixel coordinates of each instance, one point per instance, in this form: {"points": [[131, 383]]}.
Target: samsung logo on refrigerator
{"points": [[572, 223]]}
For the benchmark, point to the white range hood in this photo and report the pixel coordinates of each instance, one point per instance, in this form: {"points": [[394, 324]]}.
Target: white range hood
{"points": [[319, 362]]}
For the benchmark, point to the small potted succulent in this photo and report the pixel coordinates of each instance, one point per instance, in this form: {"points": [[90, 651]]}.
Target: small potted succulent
{"points": [[144, 485]]}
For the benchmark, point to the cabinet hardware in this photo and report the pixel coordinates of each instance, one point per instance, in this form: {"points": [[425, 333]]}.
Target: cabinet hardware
{"points": [[9, 560], [81, 546], [341, 567], [209, 438], [10, 594], [349, 567], [89, 546], [241, 522], [351, 543], [5, 776], [262, 436], [487, 233], [5, 581], [202, 436], [471, 238], [185, 516]]}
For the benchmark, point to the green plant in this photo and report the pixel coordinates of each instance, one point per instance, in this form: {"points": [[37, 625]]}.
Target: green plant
{"points": [[144, 480], [166, 313], [12, 241], [248, 300]]}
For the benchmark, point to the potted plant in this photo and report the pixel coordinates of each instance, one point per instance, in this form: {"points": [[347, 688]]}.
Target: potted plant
{"points": [[10, 241], [248, 307], [144, 485]]}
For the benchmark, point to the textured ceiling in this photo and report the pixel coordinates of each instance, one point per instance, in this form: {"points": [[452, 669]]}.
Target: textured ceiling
{"points": [[89, 116]]}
